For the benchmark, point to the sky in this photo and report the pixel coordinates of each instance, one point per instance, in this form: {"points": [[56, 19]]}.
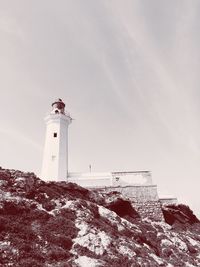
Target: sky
{"points": [[128, 71]]}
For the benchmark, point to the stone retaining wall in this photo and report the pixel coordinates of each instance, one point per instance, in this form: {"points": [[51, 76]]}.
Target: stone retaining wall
{"points": [[149, 209]]}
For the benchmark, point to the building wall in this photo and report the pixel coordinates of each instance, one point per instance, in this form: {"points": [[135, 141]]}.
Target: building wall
{"points": [[131, 178], [91, 180], [104, 179]]}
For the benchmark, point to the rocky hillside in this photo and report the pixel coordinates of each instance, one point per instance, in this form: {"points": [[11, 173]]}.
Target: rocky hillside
{"points": [[61, 225]]}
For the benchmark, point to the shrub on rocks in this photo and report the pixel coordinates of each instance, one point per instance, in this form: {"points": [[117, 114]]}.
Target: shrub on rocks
{"points": [[123, 208], [179, 214]]}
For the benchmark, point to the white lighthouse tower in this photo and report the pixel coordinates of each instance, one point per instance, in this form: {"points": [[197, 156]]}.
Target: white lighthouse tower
{"points": [[55, 158]]}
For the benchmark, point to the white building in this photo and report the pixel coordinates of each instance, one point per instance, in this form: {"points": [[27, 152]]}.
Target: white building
{"points": [[55, 158]]}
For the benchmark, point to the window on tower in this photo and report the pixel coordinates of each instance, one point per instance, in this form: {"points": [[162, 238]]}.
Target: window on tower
{"points": [[54, 134]]}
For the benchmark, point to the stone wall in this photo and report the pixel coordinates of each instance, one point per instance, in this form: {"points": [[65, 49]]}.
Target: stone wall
{"points": [[144, 199], [168, 201], [149, 209]]}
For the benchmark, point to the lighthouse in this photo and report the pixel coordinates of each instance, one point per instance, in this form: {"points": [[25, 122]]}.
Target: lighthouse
{"points": [[55, 157]]}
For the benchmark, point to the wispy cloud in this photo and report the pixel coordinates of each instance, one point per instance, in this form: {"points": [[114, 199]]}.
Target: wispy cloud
{"points": [[10, 26], [20, 137]]}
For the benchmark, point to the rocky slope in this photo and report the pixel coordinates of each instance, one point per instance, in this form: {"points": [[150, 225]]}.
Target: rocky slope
{"points": [[61, 224]]}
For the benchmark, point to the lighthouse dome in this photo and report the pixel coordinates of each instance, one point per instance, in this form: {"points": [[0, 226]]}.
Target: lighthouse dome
{"points": [[58, 106]]}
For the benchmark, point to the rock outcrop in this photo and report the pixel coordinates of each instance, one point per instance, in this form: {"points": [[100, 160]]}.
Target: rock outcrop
{"points": [[179, 214], [59, 224]]}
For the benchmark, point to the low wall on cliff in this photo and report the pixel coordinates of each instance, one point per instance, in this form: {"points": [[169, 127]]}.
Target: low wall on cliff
{"points": [[168, 201]]}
